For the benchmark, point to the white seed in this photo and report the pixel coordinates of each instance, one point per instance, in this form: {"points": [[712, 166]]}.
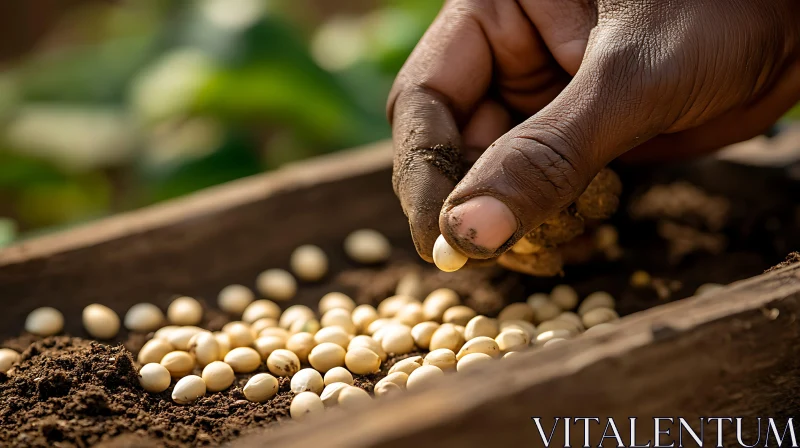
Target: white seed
{"points": [[600, 328], [307, 380], [304, 325], [261, 309], [338, 375], [569, 316], [301, 344], [512, 340], [398, 340], [205, 348], [445, 257], [442, 358], [218, 376], [367, 246], [446, 336], [262, 324], [375, 326], [153, 351], [240, 334], [261, 387], [553, 341], [326, 356], [545, 336], [565, 297], [339, 317], [407, 365], [423, 376], [164, 332], [8, 358], [330, 394], [391, 306], [368, 343], [511, 355], [546, 311], [309, 263], [517, 311], [154, 378], [599, 299], [362, 361], [481, 344], [282, 362], [44, 321], [481, 326], [473, 361], [276, 284], [334, 300], [559, 324], [179, 363], [243, 359], [410, 285], [234, 299], [293, 313], [335, 335], [188, 389], [599, 316], [384, 388], [353, 397], [398, 378], [144, 317], [100, 321], [459, 315], [363, 316], [185, 311], [437, 302], [537, 299], [422, 334], [275, 331], [411, 314], [180, 337], [268, 344], [305, 404], [381, 332], [224, 343], [526, 327]]}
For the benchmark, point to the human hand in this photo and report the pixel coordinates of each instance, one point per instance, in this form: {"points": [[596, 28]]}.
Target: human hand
{"points": [[556, 89]]}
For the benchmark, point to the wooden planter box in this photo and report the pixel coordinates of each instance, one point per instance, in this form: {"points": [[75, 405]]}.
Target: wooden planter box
{"points": [[729, 354]]}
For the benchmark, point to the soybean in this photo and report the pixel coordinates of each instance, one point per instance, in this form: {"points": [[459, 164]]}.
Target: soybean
{"points": [[309, 263], [44, 321], [326, 356], [442, 358], [338, 375], [367, 246], [243, 359], [423, 376], [185, 311], [153, 351], [481, 344], [154, 378], [234, 299], [100, 321], [301, 344], [307, 380], [481, 326], [188, 389], [445, 257], [472, 361], [261, 387], [282, 362], [179, 363], [261, 309], [276, 284], [143, 317], [305, 404], [218, 376], [362, 361], [8, 358]]}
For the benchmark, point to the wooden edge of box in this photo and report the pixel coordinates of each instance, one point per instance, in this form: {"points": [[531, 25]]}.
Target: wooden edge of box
{"points": [[383, 422], [331, 167]]}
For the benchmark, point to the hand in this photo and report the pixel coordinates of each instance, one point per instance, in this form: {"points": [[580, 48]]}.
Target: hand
{"points": [[556, 89]]}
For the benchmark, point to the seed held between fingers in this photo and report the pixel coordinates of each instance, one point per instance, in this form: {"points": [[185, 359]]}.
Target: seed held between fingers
{"points": [[445, 257]]}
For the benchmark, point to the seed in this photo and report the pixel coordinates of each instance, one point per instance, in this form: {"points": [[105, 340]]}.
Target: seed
{"points": [[261, 309], [153, 351], [512, 340], [362, 361], [262, 324], [326, 356], [526, 327], [553, 341], [164, 332], [268, 344], [307, 380], [421, 377], [640, 279], [276, 284], [282, 362], [180, 337], [442, 358], [44, 321], [546, 311], [367, 246], [445, 257], [234, 299], [437, 302], [537, 299], [516, 311], [481, 326], [600, 328], [511, 355], [261, 387], [472, 361], [154, 377], [407, 365], [185, 311], [338, 375], [309, 263], [459, 315], [543, 337], [101, 322], [335, 335], [410, 284], [363, 316], [446, 336], [353, 397], [559, 324], [708, 288], [599, 299], [398, 340], [305, 404], [481, 344], [378, 324], [224, 343], [383, 389], [179, 363], [330, 394], [411, 314], [599, 316], [339, 317], [368, 343], [144, 317], [398, 378], [205, 348], [334, 300], [275, 331], [569, 316], [301, 344], [243, 359], [240, 333], [188, 389], [392, 305], [8, 358], [422, 334], [305, 325], [218, 376], [293, 313], [565, 297]]}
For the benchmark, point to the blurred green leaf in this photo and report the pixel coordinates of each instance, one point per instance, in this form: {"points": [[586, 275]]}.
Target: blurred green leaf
{"points": [[19, 171], [8, 231], [794, 113], [76, 198]]}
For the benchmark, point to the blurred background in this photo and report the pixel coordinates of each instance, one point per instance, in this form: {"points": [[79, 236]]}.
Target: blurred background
{"points": [[107, 106]]}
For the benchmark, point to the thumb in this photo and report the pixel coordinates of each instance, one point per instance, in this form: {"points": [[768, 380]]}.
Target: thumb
{"points": [[544, 164]]}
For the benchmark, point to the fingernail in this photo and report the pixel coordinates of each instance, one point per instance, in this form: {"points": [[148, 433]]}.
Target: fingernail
{"points": [[484, 221]]}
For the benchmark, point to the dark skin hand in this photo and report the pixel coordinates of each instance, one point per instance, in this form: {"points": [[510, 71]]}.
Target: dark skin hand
{"points": [[556, 89]]}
